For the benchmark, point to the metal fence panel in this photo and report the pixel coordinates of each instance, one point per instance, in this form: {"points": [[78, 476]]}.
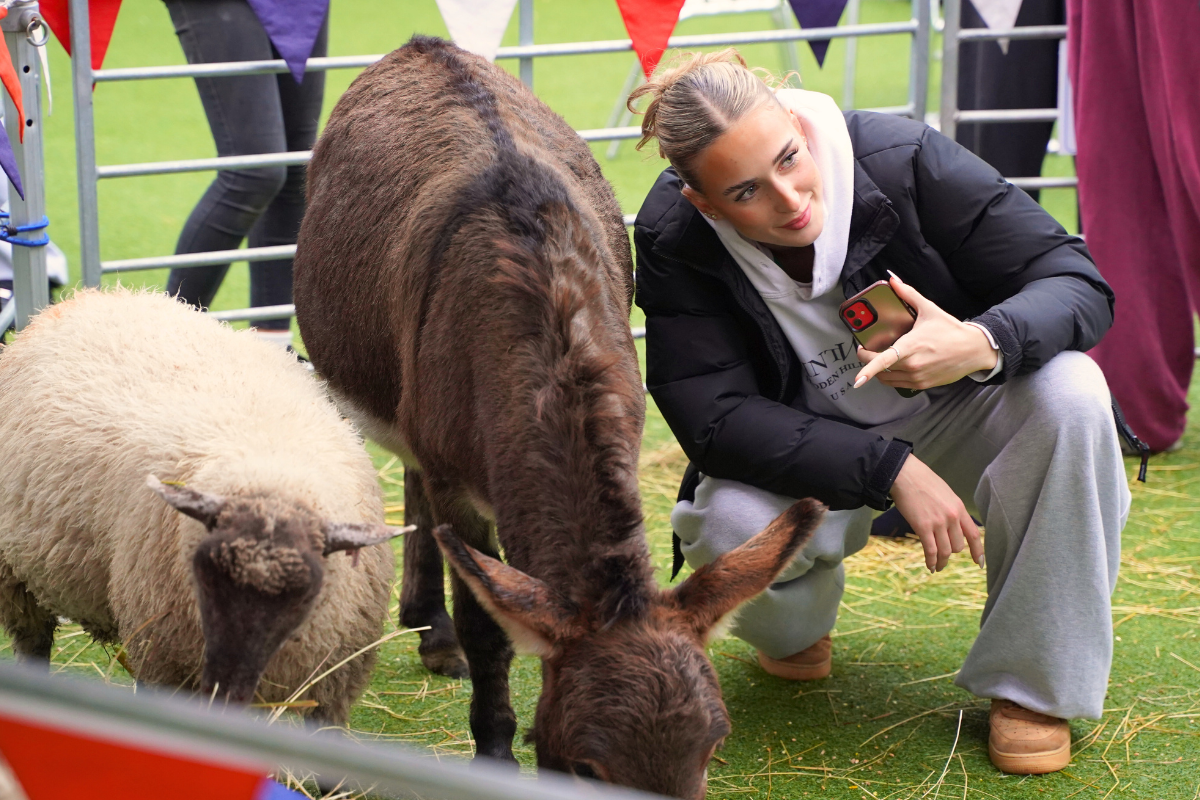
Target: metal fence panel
{"points": [[163, 722], [917, 27]]}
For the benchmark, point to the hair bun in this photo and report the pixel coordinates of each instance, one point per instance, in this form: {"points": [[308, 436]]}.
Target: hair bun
{"points": [[696, 99], [664, 80]]}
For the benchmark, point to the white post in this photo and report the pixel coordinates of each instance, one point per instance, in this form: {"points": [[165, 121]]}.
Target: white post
{"points": [[952, 14], [525, 36], [852, 15]]}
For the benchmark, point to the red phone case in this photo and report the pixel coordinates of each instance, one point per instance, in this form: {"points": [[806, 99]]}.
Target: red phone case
{"points": [[877, 317]]}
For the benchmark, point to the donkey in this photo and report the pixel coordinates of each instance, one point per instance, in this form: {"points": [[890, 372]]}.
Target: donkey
{"points": [[463, 284]]}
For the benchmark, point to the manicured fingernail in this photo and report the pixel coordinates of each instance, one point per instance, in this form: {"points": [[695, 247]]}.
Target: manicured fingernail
{"points": [[859, 381], [982, 561], [894, 275]]}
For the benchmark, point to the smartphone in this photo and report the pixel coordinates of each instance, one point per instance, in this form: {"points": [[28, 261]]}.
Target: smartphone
{"points": [[877, 317]]}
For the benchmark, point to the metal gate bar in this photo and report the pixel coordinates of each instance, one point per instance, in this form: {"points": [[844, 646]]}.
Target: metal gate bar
{"points": [[89, 173], [227, 68], [952, 37]]}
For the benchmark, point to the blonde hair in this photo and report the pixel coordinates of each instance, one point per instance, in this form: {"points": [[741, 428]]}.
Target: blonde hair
{"points": [[694, 101]]}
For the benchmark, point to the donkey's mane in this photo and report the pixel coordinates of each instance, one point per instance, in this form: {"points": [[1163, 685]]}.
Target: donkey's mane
{"points": [[575, 442]]}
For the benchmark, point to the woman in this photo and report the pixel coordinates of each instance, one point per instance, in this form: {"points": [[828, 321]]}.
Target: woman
{"points": [[248, 114], [777, 207]]}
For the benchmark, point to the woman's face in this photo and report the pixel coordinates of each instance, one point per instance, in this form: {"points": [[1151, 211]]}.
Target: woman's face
{"points": [[760, 176]]}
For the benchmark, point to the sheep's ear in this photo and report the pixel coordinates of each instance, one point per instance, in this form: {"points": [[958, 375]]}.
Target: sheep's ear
{"points": [[530, 612], [353, 535], [197, 505], [716, 589]]}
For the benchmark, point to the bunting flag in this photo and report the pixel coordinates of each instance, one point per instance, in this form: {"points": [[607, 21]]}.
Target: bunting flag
{"points": [[650, 23], [8, 75], [9, 162], [103, 18], [292, 26], [818, 14], [50, 763], [477, 25], [999, 14]]}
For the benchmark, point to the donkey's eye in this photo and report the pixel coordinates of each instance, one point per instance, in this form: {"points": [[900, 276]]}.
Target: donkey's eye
{"points": [[582, 769]]}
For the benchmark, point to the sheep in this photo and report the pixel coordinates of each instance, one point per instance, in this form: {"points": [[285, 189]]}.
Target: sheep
{"points": [[112, 402]]}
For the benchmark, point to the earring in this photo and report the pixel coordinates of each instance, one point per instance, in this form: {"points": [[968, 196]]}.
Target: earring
{"points": [[711, 216]]}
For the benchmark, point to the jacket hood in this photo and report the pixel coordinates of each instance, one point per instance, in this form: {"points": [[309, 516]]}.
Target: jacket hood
{"points": [[833, 153]]}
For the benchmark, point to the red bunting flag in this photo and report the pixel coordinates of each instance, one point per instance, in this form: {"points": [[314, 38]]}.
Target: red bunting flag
{"points": [[103, 16], [650, 23], [8, 74]]}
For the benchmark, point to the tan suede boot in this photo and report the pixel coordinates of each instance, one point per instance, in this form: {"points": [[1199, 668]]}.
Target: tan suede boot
{"points": [[810, 664], [1024, 742]]}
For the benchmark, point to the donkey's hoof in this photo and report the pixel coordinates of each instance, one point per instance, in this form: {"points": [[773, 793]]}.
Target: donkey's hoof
{"points": [[448, 661], [501, 756]]}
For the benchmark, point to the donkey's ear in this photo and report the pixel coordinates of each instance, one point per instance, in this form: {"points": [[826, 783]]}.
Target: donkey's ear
{"points": [[529, 611], [716, 589], [197, 505]]}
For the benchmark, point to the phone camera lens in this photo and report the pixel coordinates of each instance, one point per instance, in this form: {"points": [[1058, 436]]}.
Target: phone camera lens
{"points": [[850, 313]]}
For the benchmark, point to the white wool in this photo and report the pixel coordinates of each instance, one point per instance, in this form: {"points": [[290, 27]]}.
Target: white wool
{"points": [[108, 387]]}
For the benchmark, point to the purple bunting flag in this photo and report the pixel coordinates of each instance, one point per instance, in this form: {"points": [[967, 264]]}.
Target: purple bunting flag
{"points": [[818, 14], [292, 26], [9, 162]]}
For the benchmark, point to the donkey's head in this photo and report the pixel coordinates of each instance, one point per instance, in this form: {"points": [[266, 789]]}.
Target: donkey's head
{"points": [[628, 693]]}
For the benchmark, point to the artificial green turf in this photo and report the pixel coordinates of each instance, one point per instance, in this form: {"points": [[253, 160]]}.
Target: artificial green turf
{"points": [[899, 625]]}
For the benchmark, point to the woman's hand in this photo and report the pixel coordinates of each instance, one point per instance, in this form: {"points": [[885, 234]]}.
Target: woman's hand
{"points": [[937, 516], [937, 351]]}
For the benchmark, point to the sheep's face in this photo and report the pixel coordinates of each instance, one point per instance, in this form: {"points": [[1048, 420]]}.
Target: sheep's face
{"points": [[257, 573]]}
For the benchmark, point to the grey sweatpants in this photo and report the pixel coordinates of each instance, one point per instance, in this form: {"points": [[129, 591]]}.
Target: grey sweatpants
{"points": [[1037, 459]]}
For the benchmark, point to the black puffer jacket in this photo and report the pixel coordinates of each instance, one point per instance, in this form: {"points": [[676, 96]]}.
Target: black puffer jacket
{"points": [[729, 383]]}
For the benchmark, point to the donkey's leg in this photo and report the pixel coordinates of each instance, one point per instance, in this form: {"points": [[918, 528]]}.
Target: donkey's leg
{"points": [[422, 596], [30, 626], [489, 653]]}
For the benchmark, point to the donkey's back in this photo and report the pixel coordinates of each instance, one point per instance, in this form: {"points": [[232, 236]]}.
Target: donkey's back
{"points": [[414, 152]]}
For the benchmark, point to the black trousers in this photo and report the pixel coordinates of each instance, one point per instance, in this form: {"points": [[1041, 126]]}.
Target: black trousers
{"points": [[248, 115], [1027, 77]]}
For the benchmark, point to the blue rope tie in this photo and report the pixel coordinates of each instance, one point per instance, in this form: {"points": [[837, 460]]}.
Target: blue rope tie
{"points": [[8, 233]]}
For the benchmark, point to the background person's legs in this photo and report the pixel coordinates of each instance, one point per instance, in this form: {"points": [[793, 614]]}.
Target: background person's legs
{"points": [[1134, 65], [271, 281], [246, 118], [801, 606], [1024, 77]]}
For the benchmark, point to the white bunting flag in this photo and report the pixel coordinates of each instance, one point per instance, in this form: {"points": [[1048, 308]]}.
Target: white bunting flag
{"points": [[999, 15], [477, 25]]}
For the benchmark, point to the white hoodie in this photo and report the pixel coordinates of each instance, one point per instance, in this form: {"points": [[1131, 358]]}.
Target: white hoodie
{"points": [[808, 312]]}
